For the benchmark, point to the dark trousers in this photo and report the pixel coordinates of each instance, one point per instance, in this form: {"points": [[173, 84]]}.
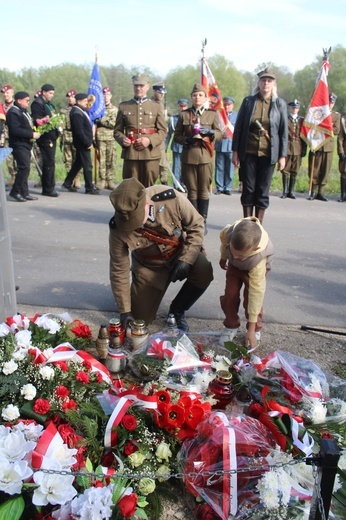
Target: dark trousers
{"points": [[82, 160], [22, 158], [256, 175], [48, 166], [230, 301]]}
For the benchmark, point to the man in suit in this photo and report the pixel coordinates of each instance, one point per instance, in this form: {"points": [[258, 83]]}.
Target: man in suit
{"points": [[140, 129], [224, 169], [82, 136]]}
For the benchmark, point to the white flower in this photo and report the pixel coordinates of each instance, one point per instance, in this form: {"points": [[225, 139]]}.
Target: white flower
{"points": [[274, 488], [12, 476], [61, 458], [23, 338], [48, 323], [48, 352], [63, 513], [4, 432], [9, 367], [4, 329], [31, 431], [47, 373], [19, 355], [94, 503], [28, 391], [202, 380], [53, 489], [10, 413], [163, 451], [221, 363], [342, 461], [318, 412], [14, 446]]}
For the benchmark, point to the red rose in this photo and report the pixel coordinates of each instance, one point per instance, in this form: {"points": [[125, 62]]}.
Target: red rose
{"points": [[129, 448], [62, 392], [41, 406], [83, 377], [69, 405], [81, 330], [108, 459], [129, 422], [127, 505], [69, 435]]}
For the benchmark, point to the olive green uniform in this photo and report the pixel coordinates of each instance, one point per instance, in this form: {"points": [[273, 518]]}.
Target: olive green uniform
{"points": [[296, 146], [163, 170], [106, 143], [172, 215], [10, 162], [69, 151], [143, 118]]}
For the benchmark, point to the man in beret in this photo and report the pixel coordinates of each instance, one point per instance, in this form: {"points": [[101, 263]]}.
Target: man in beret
{"points": [[159, 92], [106, 143], [224, 169], [140, 129], [7, 92], [295, 151], [66, 144], [321, 160], [164, 234], [21, 134], [40, 108], [82, 139], [176, 148]]}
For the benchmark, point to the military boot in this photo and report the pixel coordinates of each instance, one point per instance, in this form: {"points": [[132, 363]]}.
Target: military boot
{"points": [[186, 297], [76, 182], [10, 182], [203, 206], [247, 211], [290, 194], [284, 186], [259, 213], [110, 185], [101, 184], [320, 194]]}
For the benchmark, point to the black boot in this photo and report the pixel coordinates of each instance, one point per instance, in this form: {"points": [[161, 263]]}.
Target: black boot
{"points": [[247, 211], [320, 194], [185, 298], [284, 186], [343, 190], [290, 194], [203, 206], [194, 203], [259, 213]]}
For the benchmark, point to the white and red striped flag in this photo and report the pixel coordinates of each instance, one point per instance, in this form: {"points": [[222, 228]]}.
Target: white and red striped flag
{"points": [[318, 125], [215, 98]]}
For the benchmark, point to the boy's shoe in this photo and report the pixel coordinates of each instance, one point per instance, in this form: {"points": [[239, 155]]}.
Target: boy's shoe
{"points": [[227, 335], [258, 336]]}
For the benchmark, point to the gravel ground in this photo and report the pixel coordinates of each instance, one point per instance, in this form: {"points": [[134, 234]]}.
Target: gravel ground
{"points": [[326, 349]]}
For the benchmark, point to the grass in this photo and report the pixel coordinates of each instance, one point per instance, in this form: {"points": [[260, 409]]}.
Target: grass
{"points": [[302, 184]]}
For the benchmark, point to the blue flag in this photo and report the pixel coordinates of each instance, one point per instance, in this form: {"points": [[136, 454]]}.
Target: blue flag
{"points": [[95, 88]]}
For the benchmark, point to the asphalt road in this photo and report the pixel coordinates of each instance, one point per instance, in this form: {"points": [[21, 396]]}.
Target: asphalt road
{"points": [[60, 255]]}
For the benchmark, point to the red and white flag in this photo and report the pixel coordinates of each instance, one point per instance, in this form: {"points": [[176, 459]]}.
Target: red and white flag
{"points": [[318, 125], [215, 98]]}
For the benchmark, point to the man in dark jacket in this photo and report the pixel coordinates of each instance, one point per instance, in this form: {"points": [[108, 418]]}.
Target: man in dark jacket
{"points": [[40, 108], [82, 136], [21, 135]]}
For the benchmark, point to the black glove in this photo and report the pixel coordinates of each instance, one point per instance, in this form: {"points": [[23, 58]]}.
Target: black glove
{"points": [[97, 121], [208, 132], [125, 319], [180, 271], [342, 156], [188, 142]]}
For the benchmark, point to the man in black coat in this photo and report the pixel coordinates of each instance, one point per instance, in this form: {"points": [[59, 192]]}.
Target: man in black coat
{"points": [[40, 108], [82, 136], [21, 135]]}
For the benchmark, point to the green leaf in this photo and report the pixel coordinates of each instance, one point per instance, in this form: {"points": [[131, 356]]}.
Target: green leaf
{"points": [[12, 509], [140, 513]]}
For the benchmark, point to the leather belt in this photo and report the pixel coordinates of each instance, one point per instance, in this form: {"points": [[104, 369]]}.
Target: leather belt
{"points": [[139, 131], [258, 132]]}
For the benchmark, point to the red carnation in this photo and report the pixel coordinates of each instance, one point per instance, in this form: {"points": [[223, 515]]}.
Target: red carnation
{"points": [[99, 377], [127, 505], [41, 406], [81, 330], [62, 365], [69, 405], [83, 377], [129, 422], [87, 365], [62, 392]]}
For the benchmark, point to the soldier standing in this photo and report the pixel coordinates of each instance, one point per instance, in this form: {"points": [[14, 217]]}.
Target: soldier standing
{"points": [[176, 148], [342, 158], [66, 145], [224, 168], [324, 157], [140, 129], [295, 151], [106, 143], [8, 92], [159, 91]]}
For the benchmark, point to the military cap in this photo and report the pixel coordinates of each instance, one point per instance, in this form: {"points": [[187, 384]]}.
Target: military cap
{"points": [[71, 92], [266, 73], [106, 90], [183, 101], [160, 87], [129, 200], [21, 95], [199, 88], [80, 96], [228, 99], [47, 86], [140, 79], [294, 104], [332, 97], [5, 88]]}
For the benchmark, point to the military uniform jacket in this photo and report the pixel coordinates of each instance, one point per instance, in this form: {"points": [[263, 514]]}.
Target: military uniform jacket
{"points": [[144, 115], [20, 127], [225, 145], [278, 128], [105, 129], [329, 143], [342, 135], [81, 128], [40, 109], [174, 216], [67, 131], [296, 145], [184, 129]]}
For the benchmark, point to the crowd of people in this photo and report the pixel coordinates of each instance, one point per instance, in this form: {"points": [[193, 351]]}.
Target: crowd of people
{"points": [[157, 232]]}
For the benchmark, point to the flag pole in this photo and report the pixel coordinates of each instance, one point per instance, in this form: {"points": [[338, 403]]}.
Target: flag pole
{"points": [[312, 175], [95, 136]]}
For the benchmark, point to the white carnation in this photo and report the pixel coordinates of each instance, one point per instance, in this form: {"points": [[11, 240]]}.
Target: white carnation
{"points": [[10, 413], [23, 338], [9, 367], [47, 373], [28, 391]]}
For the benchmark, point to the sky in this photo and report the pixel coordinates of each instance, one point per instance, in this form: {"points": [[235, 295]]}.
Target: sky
{"points": [[168, 34]]}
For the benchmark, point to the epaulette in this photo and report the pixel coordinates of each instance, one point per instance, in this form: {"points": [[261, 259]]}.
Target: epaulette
{"points": [[164, 195]]}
